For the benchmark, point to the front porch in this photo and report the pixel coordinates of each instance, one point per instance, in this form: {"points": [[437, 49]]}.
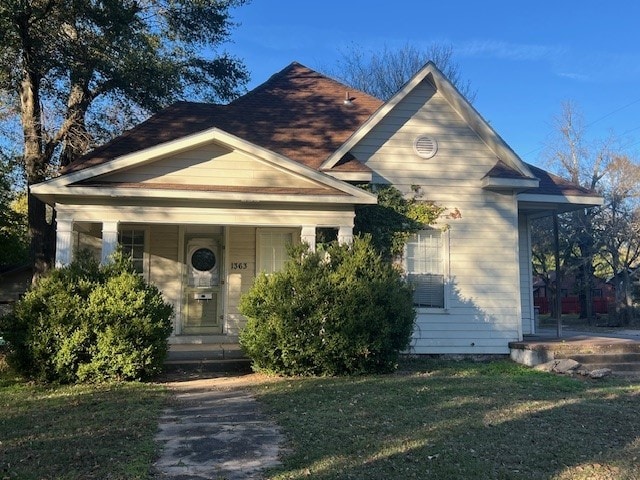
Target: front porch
{"points": [[201, 269]]}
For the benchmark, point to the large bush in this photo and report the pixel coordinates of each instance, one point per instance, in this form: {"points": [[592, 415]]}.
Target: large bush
{"points": [[340, 311], [87, 322]]}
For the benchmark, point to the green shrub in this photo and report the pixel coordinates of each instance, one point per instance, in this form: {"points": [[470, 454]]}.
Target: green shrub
{"points": [[86, 323], [343, 311]]}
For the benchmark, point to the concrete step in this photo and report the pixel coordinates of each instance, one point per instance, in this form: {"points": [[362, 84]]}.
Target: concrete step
{"points": [[207, 357], [202, 339], [606, 358], [535, 350], [237, 365], [205, 352], [614, 367]]}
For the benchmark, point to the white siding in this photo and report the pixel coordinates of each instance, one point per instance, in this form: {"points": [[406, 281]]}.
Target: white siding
{"points": [[241, 249], [484, 304], [213, 165], [165, 270]]}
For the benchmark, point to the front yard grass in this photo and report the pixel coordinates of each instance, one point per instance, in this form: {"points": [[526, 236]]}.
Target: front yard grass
{"points": [[77, 432], [449, 420]]}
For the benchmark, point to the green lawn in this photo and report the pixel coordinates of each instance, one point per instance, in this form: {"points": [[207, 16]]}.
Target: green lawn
{"points": [[77, 432], [457, 421]]}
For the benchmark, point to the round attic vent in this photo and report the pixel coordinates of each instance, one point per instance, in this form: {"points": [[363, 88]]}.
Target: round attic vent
{"points": [[425, 146]]}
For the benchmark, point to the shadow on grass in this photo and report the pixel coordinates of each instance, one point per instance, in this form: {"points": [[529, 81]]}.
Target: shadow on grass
{"points": [[103, 431], [458, 421]]}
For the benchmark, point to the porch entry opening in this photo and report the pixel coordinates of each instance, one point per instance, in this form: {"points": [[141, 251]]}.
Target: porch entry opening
{"points": [[202, 292]]}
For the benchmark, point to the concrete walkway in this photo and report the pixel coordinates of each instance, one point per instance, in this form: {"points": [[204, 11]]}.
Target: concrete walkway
{"points": [[215, 430]]}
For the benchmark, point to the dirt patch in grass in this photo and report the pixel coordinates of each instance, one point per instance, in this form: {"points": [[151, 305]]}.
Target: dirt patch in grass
{"points": [[462, 420]]}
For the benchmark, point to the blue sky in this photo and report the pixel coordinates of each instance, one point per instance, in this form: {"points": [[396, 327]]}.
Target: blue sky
{"points": [[523, 58]]}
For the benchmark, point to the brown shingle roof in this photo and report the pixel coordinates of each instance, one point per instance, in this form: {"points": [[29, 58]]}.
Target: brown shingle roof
{"points": [[554, 185], [549, 184], [298, 113], [502, 170]]}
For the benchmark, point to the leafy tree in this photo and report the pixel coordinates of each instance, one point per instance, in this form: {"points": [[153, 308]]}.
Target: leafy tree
{"points": [[383, 73], [63, 60], [13, 228], [585, 163], [543, 248], [618, 230], [604, 239]]}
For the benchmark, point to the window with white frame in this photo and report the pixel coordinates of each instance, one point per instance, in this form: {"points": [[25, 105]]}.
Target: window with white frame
{"points": [[425, 263], [132, 242], [272, 249]]}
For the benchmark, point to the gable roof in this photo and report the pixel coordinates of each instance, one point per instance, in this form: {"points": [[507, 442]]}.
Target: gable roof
{"points": [[298, 113], [459, 103], [94, 179], [300, 116]]}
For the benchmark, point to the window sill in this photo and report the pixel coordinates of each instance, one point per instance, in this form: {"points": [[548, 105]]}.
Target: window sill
{"points": [[432, 311]]}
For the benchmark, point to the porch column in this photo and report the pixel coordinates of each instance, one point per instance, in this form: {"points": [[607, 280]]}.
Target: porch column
{"points": [[64, 241], [308, 236], [109, 240], [345, 235]]}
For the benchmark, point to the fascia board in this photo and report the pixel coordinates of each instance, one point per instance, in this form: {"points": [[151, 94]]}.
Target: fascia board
{"points": [[193, 141], [130, 193], [457, 101], [351, 176], [478, 124], [377, 116], [586, 201], [509, 183]]}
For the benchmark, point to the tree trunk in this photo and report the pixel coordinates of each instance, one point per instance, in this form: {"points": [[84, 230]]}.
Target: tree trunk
{"points": [[77, 139], [35, 161], [42, 236]]}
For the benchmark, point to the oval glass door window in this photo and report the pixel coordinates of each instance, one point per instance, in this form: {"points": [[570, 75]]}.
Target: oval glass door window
{"points": [[203, 260]]}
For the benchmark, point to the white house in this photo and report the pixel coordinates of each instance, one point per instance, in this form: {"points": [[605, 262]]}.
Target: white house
{"points": [[206, 196]]}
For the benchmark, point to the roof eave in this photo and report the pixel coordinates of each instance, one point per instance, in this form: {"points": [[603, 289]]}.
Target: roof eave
{"points": [[68, 194], [514, 184], [365, 177], [543, 205]]}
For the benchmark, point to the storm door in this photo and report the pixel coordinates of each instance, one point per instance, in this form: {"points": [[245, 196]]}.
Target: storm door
{"points": [[201, 285]]}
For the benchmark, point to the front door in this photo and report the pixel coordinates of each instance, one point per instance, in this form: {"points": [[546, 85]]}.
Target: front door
{"points": [[203, 298]]}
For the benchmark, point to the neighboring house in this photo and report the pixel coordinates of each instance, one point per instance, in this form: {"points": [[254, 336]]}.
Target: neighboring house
{"points": [[206, 196], [602, 294]]}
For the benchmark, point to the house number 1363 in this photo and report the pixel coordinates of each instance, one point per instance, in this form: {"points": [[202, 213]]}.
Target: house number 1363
{"points": [[238, 265]]}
